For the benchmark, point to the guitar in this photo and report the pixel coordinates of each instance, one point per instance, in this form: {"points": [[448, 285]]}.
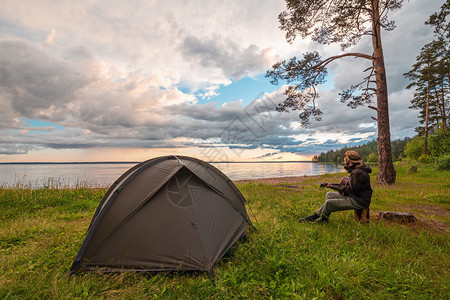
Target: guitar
{"points": [[344, 182]]}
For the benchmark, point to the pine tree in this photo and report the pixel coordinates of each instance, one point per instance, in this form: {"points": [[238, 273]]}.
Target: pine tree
{"points": [[425, 77], [345, 22], [430, 78]]}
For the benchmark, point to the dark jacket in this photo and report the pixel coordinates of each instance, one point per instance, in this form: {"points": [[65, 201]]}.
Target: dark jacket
{"points": [[358, 186]]}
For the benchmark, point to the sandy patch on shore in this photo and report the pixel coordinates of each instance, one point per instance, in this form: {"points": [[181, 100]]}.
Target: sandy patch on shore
{"points": [[277, 180]]}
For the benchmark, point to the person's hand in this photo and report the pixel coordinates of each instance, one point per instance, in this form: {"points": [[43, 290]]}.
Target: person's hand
{"points": [[328, 185]]}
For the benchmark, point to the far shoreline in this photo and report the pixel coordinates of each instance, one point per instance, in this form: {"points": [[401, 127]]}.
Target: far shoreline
{"points": [[138, 162]]}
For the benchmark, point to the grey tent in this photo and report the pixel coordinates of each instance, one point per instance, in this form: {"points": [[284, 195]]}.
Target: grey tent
{"points": [[167, 213]]}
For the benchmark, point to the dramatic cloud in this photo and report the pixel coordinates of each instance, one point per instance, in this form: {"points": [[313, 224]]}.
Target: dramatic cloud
{"points": [[32, 80], [234, 62], [143, 75]]}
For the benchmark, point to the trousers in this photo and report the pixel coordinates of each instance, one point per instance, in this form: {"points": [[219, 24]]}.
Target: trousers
{"points": [[337, 202]]}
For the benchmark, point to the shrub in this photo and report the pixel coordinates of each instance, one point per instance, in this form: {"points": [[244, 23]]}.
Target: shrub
{"points": [[438, 145], [414, 148], [443, 162], [425, 159], [373, 158]]}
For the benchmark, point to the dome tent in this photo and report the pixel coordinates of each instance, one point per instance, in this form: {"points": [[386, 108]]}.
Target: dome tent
{"points": [[167, 213]]}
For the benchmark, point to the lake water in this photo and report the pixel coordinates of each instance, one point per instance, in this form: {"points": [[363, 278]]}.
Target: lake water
{"points": [[104, 174]]}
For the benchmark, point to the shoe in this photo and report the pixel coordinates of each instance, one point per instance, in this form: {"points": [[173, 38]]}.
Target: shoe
{"points": [[322, 220], [310, 218]]}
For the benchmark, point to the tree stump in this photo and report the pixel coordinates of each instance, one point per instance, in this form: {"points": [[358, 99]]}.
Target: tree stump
{"points": [[413, 169], [400, 217], [362, 215]]}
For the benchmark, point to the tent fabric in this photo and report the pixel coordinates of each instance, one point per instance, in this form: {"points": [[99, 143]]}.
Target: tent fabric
{"points": [[167, 213]]}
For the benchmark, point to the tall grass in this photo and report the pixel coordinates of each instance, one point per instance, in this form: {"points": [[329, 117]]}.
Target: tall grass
{"points": [[42, 229]]}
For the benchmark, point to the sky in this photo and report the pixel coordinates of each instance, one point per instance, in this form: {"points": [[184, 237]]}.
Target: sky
{"points": [[103, 80]]}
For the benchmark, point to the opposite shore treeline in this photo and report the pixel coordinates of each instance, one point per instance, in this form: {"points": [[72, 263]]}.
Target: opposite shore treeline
{"points": [[368, 152], [408, 148]]}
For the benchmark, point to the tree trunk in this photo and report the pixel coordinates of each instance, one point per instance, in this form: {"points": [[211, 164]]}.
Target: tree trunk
{"points": [[425, 142], [386, 171], [441, 116], [444, 117]]}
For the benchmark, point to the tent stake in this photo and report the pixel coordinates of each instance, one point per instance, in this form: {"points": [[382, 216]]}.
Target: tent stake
{"points": [[211, 277]]}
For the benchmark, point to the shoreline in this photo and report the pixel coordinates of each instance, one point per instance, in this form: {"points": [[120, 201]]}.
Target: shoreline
{"points": [[278, 180], [264, 180], [138, 162]]}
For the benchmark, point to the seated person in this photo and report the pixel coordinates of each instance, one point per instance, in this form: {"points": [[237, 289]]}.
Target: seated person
{"points": [[355, 194]]}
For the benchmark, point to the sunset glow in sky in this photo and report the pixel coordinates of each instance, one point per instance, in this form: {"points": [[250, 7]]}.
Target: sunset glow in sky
{"points": [[97, 80]]}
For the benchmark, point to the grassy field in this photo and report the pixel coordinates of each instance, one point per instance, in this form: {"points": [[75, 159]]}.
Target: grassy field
{"points": [[41, 231]]}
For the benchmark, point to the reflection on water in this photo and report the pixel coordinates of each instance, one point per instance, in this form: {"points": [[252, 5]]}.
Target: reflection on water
{"points": [[237, 171], [104, 175]]}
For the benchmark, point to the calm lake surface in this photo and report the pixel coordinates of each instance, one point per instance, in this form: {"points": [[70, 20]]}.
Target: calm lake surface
{"points": [[104, 174]]}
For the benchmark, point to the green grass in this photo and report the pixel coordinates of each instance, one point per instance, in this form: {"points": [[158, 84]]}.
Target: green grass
{"points": [[41, 231]]}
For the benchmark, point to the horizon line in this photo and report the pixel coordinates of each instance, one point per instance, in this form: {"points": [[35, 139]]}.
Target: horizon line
{"points": [[137, 162]]}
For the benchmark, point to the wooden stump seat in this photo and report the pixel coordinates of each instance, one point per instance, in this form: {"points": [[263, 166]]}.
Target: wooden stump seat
{"points": [[362, 215]]}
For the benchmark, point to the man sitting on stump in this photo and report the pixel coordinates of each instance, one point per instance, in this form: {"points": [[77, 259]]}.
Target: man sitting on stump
{"points": [[356, 193]]}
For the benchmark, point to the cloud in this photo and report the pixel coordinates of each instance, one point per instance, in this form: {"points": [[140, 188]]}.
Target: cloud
{"points": [[12, 149], [32, 81], [125, 75], [226, 55], [50, 40]]}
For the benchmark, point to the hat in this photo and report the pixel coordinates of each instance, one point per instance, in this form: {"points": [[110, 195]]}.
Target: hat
{"points": [[353, 156]]}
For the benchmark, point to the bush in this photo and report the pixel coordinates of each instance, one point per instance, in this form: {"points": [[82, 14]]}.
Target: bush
{"points": [[425, 159], [414, 148], [438, 145], [443, 162], [373, 158]]}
